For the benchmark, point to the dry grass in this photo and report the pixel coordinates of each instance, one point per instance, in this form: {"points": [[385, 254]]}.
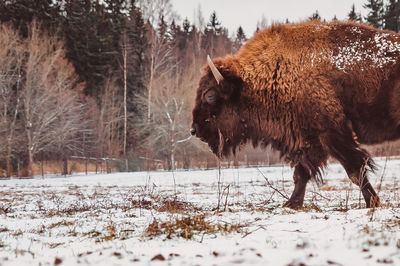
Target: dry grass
{"points": [[188, 227], [74, 166], [175, 206], [57, 167]]}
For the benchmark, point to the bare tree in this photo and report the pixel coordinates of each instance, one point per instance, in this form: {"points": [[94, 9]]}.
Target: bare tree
{"points": [[153, 10], [125, 47], [166, 133], [111, 119], [11, 58], [156, 12], [262, 23], [160, 56], [52, 111]]}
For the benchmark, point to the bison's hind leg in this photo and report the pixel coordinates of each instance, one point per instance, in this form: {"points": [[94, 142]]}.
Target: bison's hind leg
{"points": [[355, 160]]}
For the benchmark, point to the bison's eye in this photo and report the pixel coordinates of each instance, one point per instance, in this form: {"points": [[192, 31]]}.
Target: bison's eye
{"points": [[210, 96]]}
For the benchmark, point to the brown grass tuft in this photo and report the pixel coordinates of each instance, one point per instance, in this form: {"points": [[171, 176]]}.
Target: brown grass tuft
{"points": [[189, 226]]}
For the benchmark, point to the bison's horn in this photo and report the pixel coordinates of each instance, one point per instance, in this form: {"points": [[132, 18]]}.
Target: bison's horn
{"points": [[217, 75]]}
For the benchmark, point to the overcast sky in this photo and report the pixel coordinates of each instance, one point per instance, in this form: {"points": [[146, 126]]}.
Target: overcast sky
{"points": [[246, 13]]}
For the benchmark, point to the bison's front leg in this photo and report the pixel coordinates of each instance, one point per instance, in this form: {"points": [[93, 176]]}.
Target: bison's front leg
{"points": [[300, 177]]}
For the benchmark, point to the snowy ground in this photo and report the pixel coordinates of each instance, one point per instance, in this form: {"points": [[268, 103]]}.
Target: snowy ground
{"points": [[198, 218]]}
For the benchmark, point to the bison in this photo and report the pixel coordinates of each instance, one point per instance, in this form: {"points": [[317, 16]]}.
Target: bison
{"points": [[310, 90]]}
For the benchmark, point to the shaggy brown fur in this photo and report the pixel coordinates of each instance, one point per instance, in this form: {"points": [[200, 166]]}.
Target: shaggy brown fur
{"points": [[310, 90]]}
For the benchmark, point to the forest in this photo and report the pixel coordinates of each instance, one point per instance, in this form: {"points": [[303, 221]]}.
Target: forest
{"points": [[109, 85]]}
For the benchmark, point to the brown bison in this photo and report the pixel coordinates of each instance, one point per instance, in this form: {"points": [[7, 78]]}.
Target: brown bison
{"points": [[310, 90]]}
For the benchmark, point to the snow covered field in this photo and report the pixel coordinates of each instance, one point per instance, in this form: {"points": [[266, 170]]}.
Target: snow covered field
{"points": [[198, 218]]}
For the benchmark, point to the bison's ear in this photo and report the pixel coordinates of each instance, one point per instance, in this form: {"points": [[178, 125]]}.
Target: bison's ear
{"points": [[225, 74], [231, 86]]}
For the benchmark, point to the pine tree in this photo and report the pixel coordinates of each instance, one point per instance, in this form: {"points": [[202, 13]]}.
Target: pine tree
{"points": [[186, 25], [240, 38], [115, 15], [79, 29], [21, 12], [134, 65], [136, 31], [352, 14], [211, 33], [392, 16], [178, 39], [315, 16], [92, 31], [376, 14], [214, 25]]}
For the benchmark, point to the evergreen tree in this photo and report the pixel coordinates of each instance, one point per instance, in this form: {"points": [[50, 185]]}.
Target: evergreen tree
{"points": [[115, 15], [186, 26], [240, 38], [178, 39], [21, 12], [79, 30], [162, 30], [214, 25], [136, 31], [392, 16], [136, 45], [315, 16], [352, 14], [211, 35], [376, 13], [92, 32]]}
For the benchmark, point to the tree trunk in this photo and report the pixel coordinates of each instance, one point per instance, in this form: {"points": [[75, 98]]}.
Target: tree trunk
{"points": [[19, 174], [42, 168], [173, 160], [29, 168], [108, 168], [125, 110], [11, 136], [150, 87], [65, 166], [8, 158]]}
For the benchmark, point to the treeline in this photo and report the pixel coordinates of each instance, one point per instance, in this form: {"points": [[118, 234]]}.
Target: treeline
{"points": [[101, 79], [381, 14], [111, 79]]}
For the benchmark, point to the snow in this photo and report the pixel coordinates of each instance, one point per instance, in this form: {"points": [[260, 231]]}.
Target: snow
{"points": [[378, 51], [383, 51], [102, 219]]}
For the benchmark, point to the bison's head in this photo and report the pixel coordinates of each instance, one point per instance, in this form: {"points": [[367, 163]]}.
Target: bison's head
{"points": [[218, 107]]}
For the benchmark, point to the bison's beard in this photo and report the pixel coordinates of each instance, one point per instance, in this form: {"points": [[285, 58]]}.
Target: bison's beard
{"points": [[221, 144], [220, 147]]}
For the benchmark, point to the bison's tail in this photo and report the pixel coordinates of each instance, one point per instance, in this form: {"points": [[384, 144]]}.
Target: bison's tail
{"points": [[370, 164]]}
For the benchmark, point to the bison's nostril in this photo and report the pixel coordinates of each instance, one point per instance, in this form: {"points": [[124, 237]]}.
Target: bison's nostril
{"points": [[192, 131]]}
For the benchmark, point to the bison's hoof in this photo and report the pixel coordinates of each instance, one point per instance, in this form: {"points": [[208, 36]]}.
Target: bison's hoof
{"points": [[293, 204]]}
